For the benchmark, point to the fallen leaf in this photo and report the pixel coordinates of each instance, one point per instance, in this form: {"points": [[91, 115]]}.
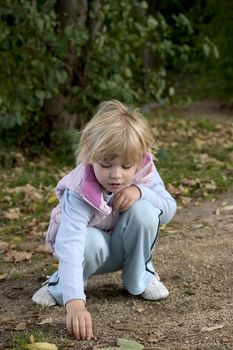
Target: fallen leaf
{"points": [[211, 186], [42, 248], [12, 214], [129, 344], [15, 256], [6, 319], [4, 246], [140, 310], [32, 339], [21, 326], [174, 190], [211, 329], [196, 226], [3, 276], [52, 200], [226, 339], [28, 189], [191, 182], [41, 346], [46, 321], [123, 327], [108, 348], [227, 208]]}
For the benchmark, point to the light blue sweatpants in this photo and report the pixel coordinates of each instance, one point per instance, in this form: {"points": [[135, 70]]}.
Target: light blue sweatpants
{"points": [[128, 248]]}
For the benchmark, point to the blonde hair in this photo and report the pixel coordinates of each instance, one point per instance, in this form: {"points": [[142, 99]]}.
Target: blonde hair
{"points": [[115, 130]]}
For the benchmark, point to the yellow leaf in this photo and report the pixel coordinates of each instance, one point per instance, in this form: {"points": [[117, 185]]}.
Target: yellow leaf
{"points": [[227, 208], [31, 338], [41, 346], [185, 191], [52, 200]]}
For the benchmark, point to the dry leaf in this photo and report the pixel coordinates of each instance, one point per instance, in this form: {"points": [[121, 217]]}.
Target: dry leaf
{"points": [[4, 246], [41, 346], [191, 182], [227, 208], [46, 321], [140, 310], [21, 326], [226, 339], [42, 248], [174, 190], [31, 338], [211, 329], [14, 256], [211, 186], [12, 214], [28, 189], [123, 327], [3, 276]]}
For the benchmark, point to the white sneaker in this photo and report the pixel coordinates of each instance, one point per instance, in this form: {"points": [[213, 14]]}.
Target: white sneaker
{"points": [[43, 297], [156, 290]]}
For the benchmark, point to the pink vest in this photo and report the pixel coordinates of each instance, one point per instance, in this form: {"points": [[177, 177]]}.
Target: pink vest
{"points": [[82, 180]]}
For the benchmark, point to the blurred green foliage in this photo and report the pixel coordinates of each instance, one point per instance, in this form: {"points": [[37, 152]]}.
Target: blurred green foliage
{"points": [[32, 56], [127, 56], [209, 70]]}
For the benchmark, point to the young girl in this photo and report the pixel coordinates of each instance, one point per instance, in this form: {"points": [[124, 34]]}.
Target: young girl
{"points": [[108, 218]]}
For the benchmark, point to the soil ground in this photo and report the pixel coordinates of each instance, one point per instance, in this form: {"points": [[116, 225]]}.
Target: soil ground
{"points": [[195, 261]]}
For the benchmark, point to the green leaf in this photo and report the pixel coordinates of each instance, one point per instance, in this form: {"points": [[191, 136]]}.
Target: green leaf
{"points": [[206, 49], [61, 76], [128, 72], [144, 5], [216, 52], [129, 344], [40, 94], [40, 24], [152, 22]]}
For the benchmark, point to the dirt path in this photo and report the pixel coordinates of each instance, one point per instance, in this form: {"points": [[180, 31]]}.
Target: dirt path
{"points": [[194, 259]]}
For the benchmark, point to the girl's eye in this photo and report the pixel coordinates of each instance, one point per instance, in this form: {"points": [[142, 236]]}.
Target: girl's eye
{"points": [[105, 165], [127, 166]]}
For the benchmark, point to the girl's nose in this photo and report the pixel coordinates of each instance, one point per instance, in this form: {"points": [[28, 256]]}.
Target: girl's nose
{"points": [[115, 174]]}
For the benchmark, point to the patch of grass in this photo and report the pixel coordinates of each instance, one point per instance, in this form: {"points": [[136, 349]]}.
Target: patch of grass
{"points": [[206, 124], [20, 339], [199, 150]]}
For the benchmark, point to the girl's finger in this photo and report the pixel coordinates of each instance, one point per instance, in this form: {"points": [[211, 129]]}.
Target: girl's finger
{"points": [[89, 333], [76, 329], [69, 326], [82, 328], [126, 205]]}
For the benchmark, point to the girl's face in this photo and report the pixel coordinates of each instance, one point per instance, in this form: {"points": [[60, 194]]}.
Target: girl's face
{"points": [[114, 175]]}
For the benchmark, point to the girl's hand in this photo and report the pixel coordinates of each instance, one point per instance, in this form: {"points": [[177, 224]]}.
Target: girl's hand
{"points": [[78, 320], [123, 200]]}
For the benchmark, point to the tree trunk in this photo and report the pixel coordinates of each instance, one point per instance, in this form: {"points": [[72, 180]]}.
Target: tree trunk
{"points": [[55, 111]]}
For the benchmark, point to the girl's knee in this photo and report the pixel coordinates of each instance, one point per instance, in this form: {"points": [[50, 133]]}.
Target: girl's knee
{"points": [[96, 248], [144, 214]]}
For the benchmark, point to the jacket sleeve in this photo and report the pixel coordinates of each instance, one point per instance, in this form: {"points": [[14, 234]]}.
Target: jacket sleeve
{"points": [[158, 196], [70, 243]]}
